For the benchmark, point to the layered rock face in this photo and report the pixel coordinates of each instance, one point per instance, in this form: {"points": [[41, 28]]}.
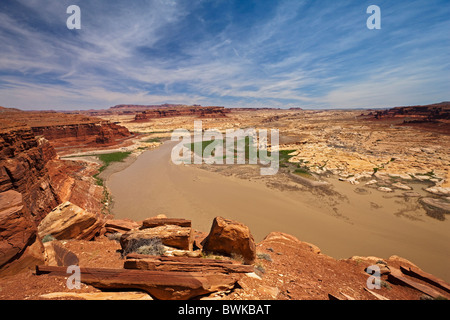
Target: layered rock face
{"points": [[33, 182], [428, 113], [201, 112], [72, 181], [66, 130], [20, 248], [23, 169], [102, 133]]}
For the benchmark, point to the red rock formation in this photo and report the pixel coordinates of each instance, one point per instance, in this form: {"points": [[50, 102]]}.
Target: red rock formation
{"points": [[23, 169], [66, 130], [201, 112], [428, 113], [72, 181], [20, 248], [101, 133], [68, 221], [433, 117], [230, 237]]}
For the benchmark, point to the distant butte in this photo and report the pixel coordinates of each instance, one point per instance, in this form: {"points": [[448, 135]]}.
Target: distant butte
{"points": [[432, 117]]}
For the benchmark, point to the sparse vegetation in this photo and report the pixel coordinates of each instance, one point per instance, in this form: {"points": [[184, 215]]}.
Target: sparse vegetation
{"points": [[114, 236], [152, 140], [107, 159], [264, 256], [152, 246], [385, 284], [48, 238], [237, 257], [259, 269], [304, 172]]}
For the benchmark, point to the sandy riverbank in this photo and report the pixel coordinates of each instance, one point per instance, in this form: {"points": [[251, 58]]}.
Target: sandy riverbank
{"points": [[343, 220]]}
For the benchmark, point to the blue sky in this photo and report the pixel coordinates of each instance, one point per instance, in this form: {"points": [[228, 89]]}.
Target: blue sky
{"points": [[302, 53]]}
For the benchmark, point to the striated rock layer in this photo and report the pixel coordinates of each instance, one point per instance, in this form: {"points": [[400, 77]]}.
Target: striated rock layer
{"points": [[20, 248], [23, 160], [202, 112]]}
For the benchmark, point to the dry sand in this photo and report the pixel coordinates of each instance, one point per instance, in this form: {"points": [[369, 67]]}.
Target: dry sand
{"points": [[350, 220]]}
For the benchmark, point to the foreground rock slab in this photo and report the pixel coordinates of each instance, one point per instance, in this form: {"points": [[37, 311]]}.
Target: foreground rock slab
{"points": [[157, 222], [396, 276], [159, 284], [230, 238], [184, 264], [98, 295]]}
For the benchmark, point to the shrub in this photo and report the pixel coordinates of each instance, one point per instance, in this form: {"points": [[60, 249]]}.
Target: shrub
{"points": [[48, 238], [259, 269], [114, 236], [152, 246], [264, 256]]}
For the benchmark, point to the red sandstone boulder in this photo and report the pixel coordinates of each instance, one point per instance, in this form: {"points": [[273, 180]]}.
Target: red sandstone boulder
{"points": [[230, 238], [68, 221]]}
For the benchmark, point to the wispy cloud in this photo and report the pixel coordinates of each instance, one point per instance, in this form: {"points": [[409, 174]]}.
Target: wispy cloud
{"points": [[233, 53]]}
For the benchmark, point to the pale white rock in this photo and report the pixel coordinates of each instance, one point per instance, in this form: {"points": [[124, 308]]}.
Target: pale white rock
{"points": [[401, 186], [253, 275], [439, 191]]}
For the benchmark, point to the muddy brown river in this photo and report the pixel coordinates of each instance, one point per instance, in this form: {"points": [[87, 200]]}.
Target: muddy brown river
{"points": [[358, 222]]}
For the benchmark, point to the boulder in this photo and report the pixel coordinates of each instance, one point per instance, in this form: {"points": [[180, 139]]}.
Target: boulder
{"points": [[170, 235], [68, 221], [230, 238], [20, 248]]}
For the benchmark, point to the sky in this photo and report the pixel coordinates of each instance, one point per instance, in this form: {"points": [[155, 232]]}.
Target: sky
{"points": [[312, 54]]}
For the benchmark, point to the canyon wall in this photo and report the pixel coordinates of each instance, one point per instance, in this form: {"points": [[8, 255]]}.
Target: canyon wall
{"points": [[26, 196], [33, 181], [201, 112], [428, 113], [100, 133], [23, 159]]}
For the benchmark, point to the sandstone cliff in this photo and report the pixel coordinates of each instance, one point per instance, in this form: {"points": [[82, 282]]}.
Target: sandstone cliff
{"points": [[23, 159], [201, 112], [66, 130], [33, 181]]}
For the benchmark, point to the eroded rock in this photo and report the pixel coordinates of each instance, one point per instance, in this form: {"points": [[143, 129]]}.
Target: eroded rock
{"points": [[68, 221], [20, 248], [230, 238]]}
